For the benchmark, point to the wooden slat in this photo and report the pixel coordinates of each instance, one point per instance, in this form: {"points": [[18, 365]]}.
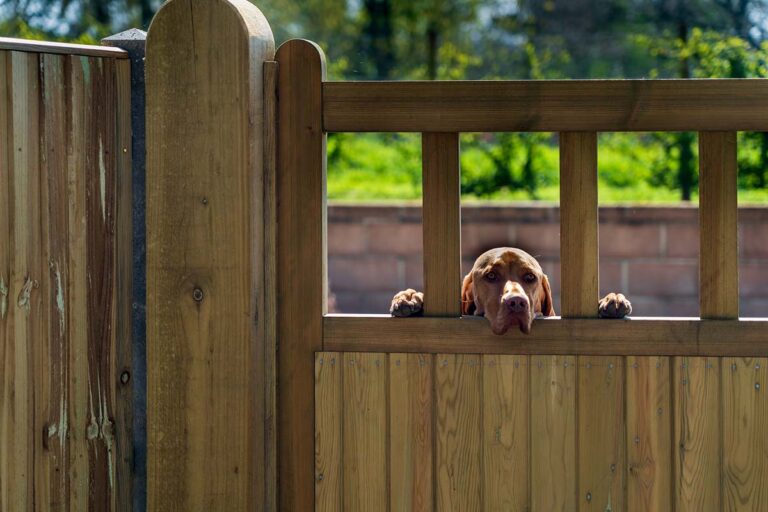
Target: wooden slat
{"points": [[328, 428], [458, 433], [28, 45], [7, 305], [301, 252], [442, 224], [649, 434], [205, 257], [745, 434], [77, 406], [546, 105], [411, 420], [505, 433], [578, 224], [553, 433], [638, 336], [601, 437], [697, 468], [365, 438], [719, 256]]}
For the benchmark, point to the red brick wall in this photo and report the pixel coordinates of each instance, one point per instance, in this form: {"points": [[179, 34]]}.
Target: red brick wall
{"points": [[649, 253]]}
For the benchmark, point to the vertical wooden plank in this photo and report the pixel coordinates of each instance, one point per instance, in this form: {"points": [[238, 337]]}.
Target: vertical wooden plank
{"points": [[270, 284], [458, 434], [745, 434], [649, 434], [77, 404], [719, 258], [441, 224], [553, 430], [578, 224], [697, 434], [365, 432], [55, 208], [6, 304], [602, 438], [205, 259], [24, 333], [328, 429], [123, 289], [301, 251], [411, 420], [505, 433]]}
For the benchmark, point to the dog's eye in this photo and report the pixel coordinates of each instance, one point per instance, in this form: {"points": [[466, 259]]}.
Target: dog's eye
{"points": [[530, 277], [491, 276]]}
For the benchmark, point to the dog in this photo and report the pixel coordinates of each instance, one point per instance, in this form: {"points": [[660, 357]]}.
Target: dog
{"points": [[509, 288]]}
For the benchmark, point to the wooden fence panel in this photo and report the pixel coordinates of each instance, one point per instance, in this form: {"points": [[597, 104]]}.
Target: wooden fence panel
{"points": [[328, 429]]}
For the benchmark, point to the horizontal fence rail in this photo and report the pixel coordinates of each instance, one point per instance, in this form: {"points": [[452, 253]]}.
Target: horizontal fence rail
{"points": [[83, 50], [546, 105]]}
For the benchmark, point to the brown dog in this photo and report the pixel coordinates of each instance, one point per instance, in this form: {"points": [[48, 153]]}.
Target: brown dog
{"points": [[508, 287]]}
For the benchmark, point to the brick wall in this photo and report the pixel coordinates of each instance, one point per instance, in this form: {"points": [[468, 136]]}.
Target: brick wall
{"points": [[649, 253]]}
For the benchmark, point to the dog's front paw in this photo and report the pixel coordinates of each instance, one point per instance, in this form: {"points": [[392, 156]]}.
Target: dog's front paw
{"points": [[614, 305], [407, 303]]}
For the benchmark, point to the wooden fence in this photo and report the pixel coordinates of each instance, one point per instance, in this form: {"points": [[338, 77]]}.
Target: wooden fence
{"points": [[65, 135]]}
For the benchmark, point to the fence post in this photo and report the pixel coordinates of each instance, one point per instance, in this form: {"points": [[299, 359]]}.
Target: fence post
{"points": [[131, 357], [206, 310]]}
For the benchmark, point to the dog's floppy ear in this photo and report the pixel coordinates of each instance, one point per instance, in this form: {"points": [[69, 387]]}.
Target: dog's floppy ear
{"points": [[547, 305], [467, 296]]}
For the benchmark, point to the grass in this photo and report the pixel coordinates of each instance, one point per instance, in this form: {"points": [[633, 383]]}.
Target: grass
{"points": [[387, 167]]}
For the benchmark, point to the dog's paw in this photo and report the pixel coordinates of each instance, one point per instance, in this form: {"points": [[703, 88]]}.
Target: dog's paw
{"points": [[614, 305], [407, 303]]}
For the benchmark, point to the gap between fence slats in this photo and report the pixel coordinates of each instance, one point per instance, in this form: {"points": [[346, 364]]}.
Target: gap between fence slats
{"points": [[578, 224], [719, 257], [441, 224]]}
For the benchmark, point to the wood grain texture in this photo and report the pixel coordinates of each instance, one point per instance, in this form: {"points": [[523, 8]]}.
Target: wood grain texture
{"points": [[6, 309], [553, 386], [458, 433], [411, 432], [546, 105], [718, 226], [638, 336], [506, 438], [601, 437], [697, 462], [301, 251], [364, 450], [205, 257], [578, 224], [47, 47], [441, 224], [745, 434], [329, 418], [649, 434]]}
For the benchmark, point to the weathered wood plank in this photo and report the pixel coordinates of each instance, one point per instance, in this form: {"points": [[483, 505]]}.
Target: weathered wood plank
{"points": [[718, 226], [554, 481], [578, 224], [329, 420], [638, 336], [697, 471], [411, 442], [649, 434], [301, 251], [441, 224], [365, 467], [48, 47], [505, 433], [601, 437], [550, 106], [205, 254], [745, 434], [458, 433]]}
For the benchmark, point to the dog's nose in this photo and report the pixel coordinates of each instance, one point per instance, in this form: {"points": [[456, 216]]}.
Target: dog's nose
{"points": [[516, 303]]}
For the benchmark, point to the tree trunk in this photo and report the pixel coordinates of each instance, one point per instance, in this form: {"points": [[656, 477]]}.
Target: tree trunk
{"points": [[432, 36], [377, 36]]}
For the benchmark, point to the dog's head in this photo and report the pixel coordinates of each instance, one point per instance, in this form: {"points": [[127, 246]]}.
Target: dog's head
{"points": [[508, 287]]}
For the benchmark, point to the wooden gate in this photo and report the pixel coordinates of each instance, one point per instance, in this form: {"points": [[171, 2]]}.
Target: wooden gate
{"points": [[437, 413]]}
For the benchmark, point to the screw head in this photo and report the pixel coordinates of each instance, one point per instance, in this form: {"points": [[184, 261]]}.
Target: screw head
{"points": [[197, 294], [125, 377]]}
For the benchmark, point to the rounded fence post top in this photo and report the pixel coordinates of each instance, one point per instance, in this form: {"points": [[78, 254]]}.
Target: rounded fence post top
{"points": [[301, 46], [253, 21]]}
